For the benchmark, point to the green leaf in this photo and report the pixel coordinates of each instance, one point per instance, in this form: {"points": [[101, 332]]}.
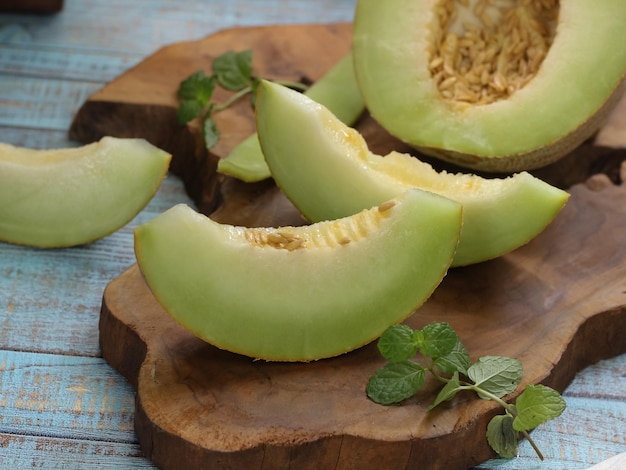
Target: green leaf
{"points": [[495, 374], [211, 133], [458, 360], [396, 343], [197, 87], [448, 391], [537, 404], [188, 111], [233, 69], [502, 437], [439, 340], [395, 382]]}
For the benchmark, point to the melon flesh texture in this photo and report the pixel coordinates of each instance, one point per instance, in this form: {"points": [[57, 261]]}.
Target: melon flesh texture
{"points": [[326, 169], [72, 196], [337, 90], [579, 82], [348, 281]]}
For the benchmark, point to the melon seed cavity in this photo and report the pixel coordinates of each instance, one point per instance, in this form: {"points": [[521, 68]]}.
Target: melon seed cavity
{"points": [[485, 50], [276, 239]]}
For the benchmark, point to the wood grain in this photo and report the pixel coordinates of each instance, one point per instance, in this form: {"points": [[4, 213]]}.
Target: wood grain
{"points": [[52, 453], [560, 298], [64, 395]]}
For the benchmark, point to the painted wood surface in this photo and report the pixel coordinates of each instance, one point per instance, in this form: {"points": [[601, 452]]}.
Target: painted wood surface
{"points": [[61, 405]]}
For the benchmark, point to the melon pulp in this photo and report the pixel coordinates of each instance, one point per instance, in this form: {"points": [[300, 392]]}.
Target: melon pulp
{"points": [[399, 47], [66, 197], [326, 169], [337, 90], [299, 293]]}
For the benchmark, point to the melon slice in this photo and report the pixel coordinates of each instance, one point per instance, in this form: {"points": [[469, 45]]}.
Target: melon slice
{"points": [[72, 196], [326, 169], [299, 293], [337, 90], [497, 86]]}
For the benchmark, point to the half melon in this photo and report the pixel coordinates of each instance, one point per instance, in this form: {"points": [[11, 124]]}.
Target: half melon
{"points": [[326, 169], [497, 86], [299, 293], [66, 197]]}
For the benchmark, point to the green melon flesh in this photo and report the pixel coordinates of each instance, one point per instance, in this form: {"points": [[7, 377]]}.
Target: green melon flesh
{"points": [[66, 197], [348, 281], [337, 90], [326, 169], [580, 80]]}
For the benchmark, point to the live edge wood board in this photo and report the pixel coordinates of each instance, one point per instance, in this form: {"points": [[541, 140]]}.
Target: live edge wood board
{"points": [[557, 304]]}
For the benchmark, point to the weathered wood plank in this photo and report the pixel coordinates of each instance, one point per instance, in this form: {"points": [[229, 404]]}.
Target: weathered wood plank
{"points": [[64, 396], [605, 380], [145, 25], [62, 63], [39, 103], [36, 138], [19, 451]]}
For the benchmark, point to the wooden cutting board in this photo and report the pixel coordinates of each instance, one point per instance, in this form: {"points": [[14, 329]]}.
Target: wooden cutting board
{"points": [[557, 304]]}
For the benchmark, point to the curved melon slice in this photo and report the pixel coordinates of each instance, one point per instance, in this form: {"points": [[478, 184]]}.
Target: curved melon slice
{"points": [[299, 293], [66, 197], [326, 169], [576, 84], [337, 90]]}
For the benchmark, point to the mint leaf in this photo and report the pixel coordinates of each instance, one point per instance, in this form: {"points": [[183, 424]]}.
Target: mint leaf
{"points": [[211, 133], [457, 360], [197, 87], [188, 111], [439, 339], [233, 69], [396, 344], [395, 382], [502, 437], [448, 391], [536, 405], [496, 375]]}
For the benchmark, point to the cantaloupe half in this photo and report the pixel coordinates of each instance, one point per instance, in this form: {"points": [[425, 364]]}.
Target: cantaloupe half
{"points": [[326, 169], [299, 293], [554, 68], [336, 90], [72, 196]]}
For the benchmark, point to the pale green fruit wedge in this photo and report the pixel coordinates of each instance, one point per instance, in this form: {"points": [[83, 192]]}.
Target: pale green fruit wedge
{"points": [[326, 169], [337, 90], [574, 88], [66, 197], [299, 293]]}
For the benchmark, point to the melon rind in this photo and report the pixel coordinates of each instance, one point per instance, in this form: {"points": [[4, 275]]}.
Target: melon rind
{"points": [[72, 196], [327, 171], [579, 82], [311, 303]]}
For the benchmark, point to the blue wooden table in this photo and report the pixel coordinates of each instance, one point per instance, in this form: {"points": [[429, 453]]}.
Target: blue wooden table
{"points": [[61, 404]]}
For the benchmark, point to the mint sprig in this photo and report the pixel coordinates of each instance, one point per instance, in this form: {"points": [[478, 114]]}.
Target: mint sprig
{"points": [[446, 359], [231, 71]]}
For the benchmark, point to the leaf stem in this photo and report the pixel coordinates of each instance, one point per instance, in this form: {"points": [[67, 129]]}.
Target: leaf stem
{"points": [[222, 106], [533, 445], [509, 408]]}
